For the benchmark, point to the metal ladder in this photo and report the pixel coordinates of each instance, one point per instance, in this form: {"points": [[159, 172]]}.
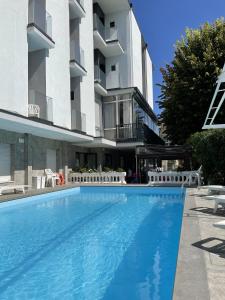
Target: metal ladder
{"points": [[216, 105]]}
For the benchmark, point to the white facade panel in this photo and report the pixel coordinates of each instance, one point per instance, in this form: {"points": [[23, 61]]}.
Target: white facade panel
{"points": [[136, 54], [87, 85], [13, 56], [57, 63], [149, 78]]}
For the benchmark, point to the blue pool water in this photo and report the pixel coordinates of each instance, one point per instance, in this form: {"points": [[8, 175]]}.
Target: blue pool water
{"points": [[91, 244]]}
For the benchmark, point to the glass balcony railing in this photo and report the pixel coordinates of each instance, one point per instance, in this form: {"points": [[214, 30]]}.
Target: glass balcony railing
{"points": [[77, 53], [99, 132], [112, 34], [99, 26], [100, 77], [107, 33], [40, 18], [81, 2], [78, 120], [125, 132], [40, 106]]}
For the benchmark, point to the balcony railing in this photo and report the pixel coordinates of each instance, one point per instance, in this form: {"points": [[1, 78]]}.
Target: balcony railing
{"points": [[40, 106], [77, 53], [112, 34], [99, 132], [81, 2], [78, 120], [108, 34], [40, 18], [100, 77], [126, 132], [99, 26]]}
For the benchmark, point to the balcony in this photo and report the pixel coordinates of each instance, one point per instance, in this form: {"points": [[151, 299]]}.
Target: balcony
{"points": [[106, 39], [39, 29], [78, 121], [40, 106], [126, 133], [76, 9], [77, 62], [100, 81]]}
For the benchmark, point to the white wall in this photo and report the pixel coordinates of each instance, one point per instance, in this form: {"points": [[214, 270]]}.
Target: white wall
{"points": [[57, 63], [123, 62], [149, 80], [87, 84], [14, 56], [136, 53]]}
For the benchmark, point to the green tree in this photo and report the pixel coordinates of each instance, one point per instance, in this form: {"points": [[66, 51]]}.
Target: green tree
{"points": [[208, 151], [189, 81]]}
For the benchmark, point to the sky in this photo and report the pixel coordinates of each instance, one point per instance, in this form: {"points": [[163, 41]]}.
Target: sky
{"points": [[164, 21]]}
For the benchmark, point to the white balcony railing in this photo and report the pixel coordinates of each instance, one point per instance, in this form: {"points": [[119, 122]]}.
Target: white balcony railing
{"points": [[40, 106]]}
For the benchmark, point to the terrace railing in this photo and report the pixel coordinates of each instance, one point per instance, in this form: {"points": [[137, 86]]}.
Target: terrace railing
{"points": [[173, 178], [98, 178]]}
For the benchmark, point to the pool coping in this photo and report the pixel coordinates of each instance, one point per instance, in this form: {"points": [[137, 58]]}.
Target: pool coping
{"points": [[48, 190], [200, 270], [191, 274]]}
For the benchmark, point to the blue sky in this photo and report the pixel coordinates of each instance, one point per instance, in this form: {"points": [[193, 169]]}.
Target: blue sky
{"points": [[164, 21]]}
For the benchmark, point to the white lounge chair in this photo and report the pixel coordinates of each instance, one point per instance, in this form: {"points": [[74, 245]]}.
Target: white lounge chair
{"points": [[14, 188], [51, 177], [219, 200], [220, 224], [214, 189]]}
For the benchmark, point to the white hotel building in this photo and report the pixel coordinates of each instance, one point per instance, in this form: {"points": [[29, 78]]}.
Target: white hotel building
{"points": [[76, 86]]}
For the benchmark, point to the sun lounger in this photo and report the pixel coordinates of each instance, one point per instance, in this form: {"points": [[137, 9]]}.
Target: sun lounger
{"points": [[220, 224], [219, 200], [214, 189], [14, 188]]}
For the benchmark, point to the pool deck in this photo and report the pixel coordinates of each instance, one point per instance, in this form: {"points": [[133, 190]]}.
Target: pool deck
{"points": [[200, 271], [201, 261]]}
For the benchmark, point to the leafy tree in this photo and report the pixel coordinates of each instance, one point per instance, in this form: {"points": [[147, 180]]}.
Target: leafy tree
{"points": [[208, 151], [189, 81]]}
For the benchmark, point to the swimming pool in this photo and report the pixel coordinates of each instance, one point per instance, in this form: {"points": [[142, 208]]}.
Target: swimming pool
{"points": [[91, 243]]}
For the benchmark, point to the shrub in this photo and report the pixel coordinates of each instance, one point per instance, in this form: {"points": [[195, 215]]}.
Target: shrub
{"points": [[209, 151]]}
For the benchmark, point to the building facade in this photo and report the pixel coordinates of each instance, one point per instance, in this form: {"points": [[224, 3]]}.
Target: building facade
{"points": [[76, 87]]}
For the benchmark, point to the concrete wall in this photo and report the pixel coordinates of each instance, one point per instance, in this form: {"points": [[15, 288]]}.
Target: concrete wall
{"points": [[37, 71], [13, 56], [87, 83], [57, 63]]}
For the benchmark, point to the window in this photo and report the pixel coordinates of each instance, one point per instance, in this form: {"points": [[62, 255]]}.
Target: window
{"points": [[112, 24], [72, 95], [113, 68]]}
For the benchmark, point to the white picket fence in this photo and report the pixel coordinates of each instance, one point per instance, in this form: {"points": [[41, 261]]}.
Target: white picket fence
{"points": [[95, 178], [173, 178]]}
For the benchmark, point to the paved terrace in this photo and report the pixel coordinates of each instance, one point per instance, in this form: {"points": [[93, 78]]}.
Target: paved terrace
{"points": [[201, 261]]}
